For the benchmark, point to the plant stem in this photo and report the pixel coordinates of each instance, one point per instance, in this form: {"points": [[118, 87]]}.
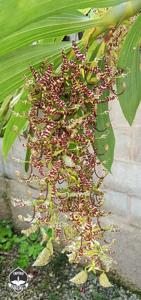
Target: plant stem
{"points": [[115, 16]]}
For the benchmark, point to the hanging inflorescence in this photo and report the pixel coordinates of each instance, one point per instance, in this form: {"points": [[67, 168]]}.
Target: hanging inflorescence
{"points": [[61, 138]]}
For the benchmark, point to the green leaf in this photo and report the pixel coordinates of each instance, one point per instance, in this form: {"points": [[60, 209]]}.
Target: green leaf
{"points": [[51, 27], [72, 146], [15, 125], [30, 251], [105, 139], [34, 236], [3, 240], [16, 239], [27, 159], [6, 231], [130, 62], [56, 25], [15, 66], [8, 246], [21, 13], [37, 249], [30, 24], [49, 232], [4, 108], [23, 247], [22, 261]]}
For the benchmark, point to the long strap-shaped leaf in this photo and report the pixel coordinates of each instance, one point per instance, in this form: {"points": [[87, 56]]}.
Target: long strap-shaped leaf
{"points": [[54, 26], [15, 66], [15, 14], [15, 125], [130, 61]]}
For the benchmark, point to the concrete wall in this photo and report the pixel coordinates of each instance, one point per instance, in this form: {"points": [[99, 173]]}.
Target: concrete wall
{"points": [[122, 187], [123, 194], [13, 189]]}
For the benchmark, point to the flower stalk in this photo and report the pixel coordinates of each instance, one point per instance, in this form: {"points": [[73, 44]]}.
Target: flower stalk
{"points": [[114, 17]]}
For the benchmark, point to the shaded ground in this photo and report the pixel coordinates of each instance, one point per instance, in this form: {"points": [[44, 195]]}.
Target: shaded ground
{"points": [[52, 283]]}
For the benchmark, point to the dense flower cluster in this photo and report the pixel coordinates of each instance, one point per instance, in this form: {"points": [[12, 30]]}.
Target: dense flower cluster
{"points": [[61, 137]]}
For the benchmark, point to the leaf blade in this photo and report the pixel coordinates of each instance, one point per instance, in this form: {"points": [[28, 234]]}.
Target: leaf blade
{"points": [[80, 278], [15, 66], [44, 257], [129, 61], [105, 139], [25, 12], [15, 125], [104, 281]]}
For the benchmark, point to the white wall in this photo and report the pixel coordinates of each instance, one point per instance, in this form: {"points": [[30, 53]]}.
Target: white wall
{"points": [[123, 186], [123, 195]]}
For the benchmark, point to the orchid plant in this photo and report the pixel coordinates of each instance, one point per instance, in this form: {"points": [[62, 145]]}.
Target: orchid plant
{"points": [[61, 140], [57, 94]]}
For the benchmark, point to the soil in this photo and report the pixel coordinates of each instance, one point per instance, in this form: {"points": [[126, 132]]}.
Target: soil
{"points": [[52, 283]]}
